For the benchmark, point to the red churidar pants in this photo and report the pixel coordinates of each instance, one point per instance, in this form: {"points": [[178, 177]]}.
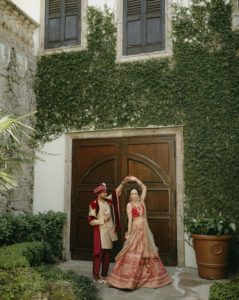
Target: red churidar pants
{"points": [[97, 259]]}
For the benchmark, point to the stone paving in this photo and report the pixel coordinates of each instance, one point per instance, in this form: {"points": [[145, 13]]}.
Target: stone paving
{"points": [[187, 285]]}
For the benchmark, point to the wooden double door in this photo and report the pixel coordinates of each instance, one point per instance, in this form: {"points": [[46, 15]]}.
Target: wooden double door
{"points": [[152, 160]]}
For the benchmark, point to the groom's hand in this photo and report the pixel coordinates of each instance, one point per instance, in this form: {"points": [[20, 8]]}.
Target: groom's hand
{"points": [[126, 180]]}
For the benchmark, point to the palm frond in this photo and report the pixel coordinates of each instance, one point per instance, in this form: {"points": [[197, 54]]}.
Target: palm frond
{"points": [[6, 181], [14, 149]]}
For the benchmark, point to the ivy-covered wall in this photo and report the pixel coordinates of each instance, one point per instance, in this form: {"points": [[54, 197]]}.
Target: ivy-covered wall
{"points": [[198, 88]]}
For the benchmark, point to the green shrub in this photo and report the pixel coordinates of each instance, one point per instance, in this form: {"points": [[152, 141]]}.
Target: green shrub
{"points": [[84, 288], [44, 227], [227, 290], [35, 252], [11, 257], [209, 224], [22, 255], [20, 284], [27, 283]]}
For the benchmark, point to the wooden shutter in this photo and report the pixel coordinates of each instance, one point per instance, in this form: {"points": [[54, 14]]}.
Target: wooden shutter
{"points": [[134, 23], [62, 23], [143, 26], [71, 19], [54, 21]]}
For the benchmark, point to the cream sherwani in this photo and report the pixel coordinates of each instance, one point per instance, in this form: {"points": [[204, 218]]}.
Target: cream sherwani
{"points": [[107, 230]]}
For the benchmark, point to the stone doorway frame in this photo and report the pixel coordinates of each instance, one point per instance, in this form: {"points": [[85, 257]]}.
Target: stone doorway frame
{"points": [[129, 132]]}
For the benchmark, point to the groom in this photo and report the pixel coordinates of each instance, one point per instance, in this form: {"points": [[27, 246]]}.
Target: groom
{"points": [[104, 227]]}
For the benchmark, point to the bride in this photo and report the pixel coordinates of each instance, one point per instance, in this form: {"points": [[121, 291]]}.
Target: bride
{"points": [[138, 263]]}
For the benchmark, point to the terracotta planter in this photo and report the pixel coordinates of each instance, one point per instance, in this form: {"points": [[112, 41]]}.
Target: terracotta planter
{"points": [[212, 255]]}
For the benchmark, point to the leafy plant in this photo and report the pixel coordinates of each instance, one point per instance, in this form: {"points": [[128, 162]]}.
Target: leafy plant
{"points": [[13, 150], [44, 227], [209, 225], [21, 283], [84, 288], [227, 290], [45, 282], [21, 255]]}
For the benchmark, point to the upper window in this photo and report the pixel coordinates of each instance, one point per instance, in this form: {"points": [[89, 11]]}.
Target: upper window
{"points": [[62, 23], [144, 26]]}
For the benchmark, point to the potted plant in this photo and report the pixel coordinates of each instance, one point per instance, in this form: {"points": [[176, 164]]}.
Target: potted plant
{"points": [[211, 238]]}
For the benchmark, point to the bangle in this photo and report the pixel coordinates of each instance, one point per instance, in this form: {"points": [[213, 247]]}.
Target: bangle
{"points": [[122, 182]]}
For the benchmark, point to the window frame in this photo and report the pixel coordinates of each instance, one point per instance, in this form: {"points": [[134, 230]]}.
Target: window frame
{"points": [[235, 15], [166, 52], [146, 48], [62, 48]]}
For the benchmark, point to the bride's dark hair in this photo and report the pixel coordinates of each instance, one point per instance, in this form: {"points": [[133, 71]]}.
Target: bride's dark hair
{"points": [[135, 188]]}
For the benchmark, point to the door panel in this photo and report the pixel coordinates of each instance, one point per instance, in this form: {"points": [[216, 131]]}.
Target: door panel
{"points": [[152, 160], [107, 167], [157, 153], [147, 174], [160, 229], [157, 201]]}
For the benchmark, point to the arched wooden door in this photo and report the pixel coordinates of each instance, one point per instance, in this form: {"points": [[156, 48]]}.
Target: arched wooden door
{"points": [[152, 160]]}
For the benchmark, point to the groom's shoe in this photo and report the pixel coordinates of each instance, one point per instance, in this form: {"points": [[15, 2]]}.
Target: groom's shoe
{"points": [[104, 277], [99, 280]]}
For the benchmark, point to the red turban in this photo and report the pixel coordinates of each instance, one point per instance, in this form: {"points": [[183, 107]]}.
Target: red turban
{"points": [[100, 189]]}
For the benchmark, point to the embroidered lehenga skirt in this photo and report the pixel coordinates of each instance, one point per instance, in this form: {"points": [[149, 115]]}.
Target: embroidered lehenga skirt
{"points": [[138, 263]]}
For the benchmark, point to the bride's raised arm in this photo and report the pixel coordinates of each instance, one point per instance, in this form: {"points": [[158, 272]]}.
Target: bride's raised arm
{"points": [[141, 185]]}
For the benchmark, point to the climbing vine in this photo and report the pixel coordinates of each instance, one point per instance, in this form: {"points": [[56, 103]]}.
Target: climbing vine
{"points": [[197, 87]]}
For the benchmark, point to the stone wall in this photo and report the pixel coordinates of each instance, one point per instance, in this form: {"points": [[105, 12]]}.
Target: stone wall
{"points": [[17, 68]]}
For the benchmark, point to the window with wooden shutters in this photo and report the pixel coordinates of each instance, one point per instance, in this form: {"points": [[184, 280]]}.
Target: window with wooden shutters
{"points": [[143, 26], [62, 23]]}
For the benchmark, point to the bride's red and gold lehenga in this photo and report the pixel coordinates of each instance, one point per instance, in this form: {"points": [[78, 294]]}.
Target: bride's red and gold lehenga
{"points": [[138, 263]]}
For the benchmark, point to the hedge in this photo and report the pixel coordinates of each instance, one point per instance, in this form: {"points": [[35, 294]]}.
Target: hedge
{"points": [[228, 290], [22, 255], [44, 227], [45, 282]]}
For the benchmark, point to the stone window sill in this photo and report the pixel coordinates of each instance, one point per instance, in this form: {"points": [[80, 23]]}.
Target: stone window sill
{"points": [[62, 49], [143, 56]]}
